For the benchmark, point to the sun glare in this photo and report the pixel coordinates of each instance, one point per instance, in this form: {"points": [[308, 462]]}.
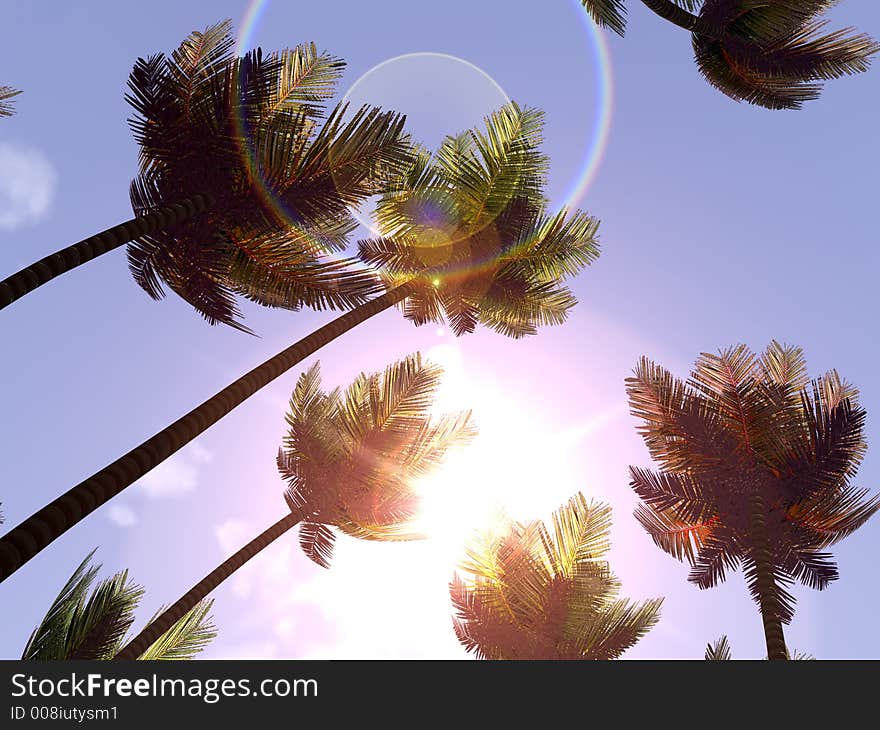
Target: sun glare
{"points": [[516, 466]]}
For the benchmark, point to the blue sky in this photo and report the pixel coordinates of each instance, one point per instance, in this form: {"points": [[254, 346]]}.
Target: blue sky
{"points": [[721, 223]]}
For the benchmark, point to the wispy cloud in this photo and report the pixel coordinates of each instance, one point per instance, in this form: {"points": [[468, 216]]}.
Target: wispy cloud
{"points": [[122, 515], [178, 475], [27, 186]]}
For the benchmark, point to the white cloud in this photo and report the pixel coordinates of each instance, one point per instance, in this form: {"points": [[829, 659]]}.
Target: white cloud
{"points": [[122, 515], [177, 475], [27, 186], [199, 454]]}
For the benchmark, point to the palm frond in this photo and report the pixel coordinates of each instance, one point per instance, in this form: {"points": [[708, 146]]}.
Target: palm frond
{"points": [[89, 625], [245, 132], [719, 651], [186, 638], [351, 457], [470, 224], [609, 14], [316, 541], [6, 107], [99, 625], [774, 54], [743, 426], [539, 592], [307, 80], [49, 639]]}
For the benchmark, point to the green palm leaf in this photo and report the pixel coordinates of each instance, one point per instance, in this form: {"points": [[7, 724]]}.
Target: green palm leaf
{"points": [[93, 625], [539, 592], [246, 132], [474, 215], [186, 638]]}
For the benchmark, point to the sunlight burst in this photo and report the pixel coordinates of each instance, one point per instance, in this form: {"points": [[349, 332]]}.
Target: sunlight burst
{"points": [[517, 466]]}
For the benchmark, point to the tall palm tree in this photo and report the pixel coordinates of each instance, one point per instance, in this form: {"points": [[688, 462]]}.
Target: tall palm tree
{"points": [[83, 625], [766, 52], [350, 460], [544, 593], [720, 651], [241, 188], [755, 468], [506, 274], [7, 93]]}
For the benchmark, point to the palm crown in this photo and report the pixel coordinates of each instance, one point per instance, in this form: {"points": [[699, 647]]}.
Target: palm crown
{"points": [[474, 217], [248, 133], [772, 53], [351, 458], [749, 434], [544, 593], [84, 625]]}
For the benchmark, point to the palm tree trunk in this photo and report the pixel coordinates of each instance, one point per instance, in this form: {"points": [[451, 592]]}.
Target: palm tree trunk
{"points": [[140, 643], [767, 590], [668, 10], [48, 524], [33, 276]]}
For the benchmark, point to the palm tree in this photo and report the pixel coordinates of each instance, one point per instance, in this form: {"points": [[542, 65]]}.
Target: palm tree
{"points": [[544, 593], [766, 52], [720, 651], [506, 274], [350, 461], [755, 468], [6, 93], [83, 625], [240, 189], [475, 215]]}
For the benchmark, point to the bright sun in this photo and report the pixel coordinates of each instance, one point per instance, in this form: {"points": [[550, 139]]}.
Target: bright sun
{"points": [[517, 465]]}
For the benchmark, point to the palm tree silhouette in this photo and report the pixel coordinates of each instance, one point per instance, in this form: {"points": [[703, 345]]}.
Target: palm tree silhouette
{"points": [[755, 469], [350, 460], [544, 593], [241, 190], [506, 274], [7, 93], [771, 53], [83, 625]]}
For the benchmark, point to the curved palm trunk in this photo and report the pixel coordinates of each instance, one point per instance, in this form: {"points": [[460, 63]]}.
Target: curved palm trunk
{"points": [[668, 10], [33, 276], [768, 593], [140, 643], [43, 527]]}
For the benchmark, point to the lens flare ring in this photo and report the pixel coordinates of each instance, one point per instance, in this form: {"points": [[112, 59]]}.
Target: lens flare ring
{"points": [[598, 129]]}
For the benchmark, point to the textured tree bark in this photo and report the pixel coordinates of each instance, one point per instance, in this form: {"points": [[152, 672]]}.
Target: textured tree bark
{"points": [[31, 277], [768, 592], [27, 539], [140, 643]]}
